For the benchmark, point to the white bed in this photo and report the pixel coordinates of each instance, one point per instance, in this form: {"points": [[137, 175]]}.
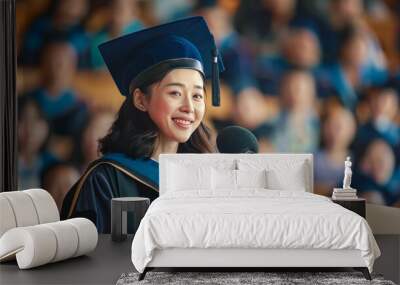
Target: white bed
{"points": [[202, 219]]}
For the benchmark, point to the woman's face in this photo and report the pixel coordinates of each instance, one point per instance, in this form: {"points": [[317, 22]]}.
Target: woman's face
{"points": [[177, 104]]}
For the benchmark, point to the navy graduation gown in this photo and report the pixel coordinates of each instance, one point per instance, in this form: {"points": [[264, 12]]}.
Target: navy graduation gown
{"points": [[114, 175]]}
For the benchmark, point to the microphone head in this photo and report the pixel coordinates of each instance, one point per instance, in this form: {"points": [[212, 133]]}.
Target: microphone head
{"points": [[235, 139]]}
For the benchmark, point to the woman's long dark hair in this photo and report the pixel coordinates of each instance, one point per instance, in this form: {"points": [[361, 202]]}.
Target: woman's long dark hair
{"points": [[134, 133]]}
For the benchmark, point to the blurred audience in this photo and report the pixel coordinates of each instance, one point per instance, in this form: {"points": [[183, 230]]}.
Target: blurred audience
{"points": [[299, 49], [121, 19], [251, 109], [265, 22], [384, 109], [97, 127], [63, 20], [351, 74], [296, 129], [57, 179], [337, 132], [55, 95], [234, 52], [339, 16], [33, 132], [375, 172]]}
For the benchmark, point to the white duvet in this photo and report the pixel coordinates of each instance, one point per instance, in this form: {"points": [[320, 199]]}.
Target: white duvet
{"points": [[252, 218]]}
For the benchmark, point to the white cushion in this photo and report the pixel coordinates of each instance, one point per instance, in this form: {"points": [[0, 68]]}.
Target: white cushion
{"points": [[26, 208], [34, 244], [87, 235], [23, 208], [251, 178], [190, 160], [40, 244], [281, 174], [66, 237], [227, 179], [293, 180], [45, 206], [183, 177], [31, 246], [224, 179], [7, 218]]}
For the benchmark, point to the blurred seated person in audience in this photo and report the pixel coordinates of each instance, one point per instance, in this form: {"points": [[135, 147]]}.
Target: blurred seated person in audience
{"points": [[64, 19], [160, 11], [337, 133], [234, 51], [98, 125], [394, 81], [374, 175], [296, 129], [299, 49], [265, 22], [251, 109], [122, 19], [237, 60], [351, 73], [33, 132], [55, 96], [57, 179], [339, 15], [384, 107]]}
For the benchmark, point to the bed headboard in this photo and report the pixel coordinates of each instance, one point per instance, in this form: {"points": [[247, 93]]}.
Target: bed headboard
{"points": [[276, 161]]}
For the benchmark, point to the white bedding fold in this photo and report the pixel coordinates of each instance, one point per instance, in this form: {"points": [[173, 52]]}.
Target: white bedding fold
{"points": [[250, 219]]}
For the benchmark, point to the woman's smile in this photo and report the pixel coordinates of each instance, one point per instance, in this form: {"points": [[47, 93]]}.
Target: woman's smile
{"points": [[183, 123]]}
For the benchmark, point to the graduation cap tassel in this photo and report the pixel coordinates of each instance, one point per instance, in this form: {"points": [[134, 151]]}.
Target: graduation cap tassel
{"points": [[215, 79]]}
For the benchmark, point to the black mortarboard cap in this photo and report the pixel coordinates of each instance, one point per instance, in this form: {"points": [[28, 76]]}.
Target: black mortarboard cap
{"points": [[186, 43]]}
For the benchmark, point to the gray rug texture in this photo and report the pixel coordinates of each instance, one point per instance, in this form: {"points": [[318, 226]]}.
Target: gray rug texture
{"points": [[230, 278]]}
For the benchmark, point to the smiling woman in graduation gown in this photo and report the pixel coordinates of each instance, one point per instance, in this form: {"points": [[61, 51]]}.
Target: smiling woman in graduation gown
{"points": [[161, 71]]}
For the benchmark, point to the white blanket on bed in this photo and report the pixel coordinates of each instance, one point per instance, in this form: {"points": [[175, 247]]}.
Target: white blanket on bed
{"points": [[252, 218]]}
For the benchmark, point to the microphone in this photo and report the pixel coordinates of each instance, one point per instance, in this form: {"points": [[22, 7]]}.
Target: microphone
{"points": [[235, 139]]}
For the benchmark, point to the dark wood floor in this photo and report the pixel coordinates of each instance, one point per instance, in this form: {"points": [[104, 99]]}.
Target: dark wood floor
{"points": [[106, 264]]}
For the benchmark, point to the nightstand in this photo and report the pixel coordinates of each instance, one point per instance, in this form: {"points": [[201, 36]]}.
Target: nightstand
{"points": [[355, 205], [119, 208]]}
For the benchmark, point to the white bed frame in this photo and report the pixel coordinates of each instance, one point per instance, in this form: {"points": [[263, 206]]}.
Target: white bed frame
{"points": [[250, 258], [234, 257]]}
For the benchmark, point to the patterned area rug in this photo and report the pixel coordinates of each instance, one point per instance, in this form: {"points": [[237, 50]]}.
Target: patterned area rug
{"points": [[230, 278]]}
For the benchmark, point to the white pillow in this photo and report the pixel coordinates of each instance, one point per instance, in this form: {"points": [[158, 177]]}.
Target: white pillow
{"points": [[293, 180], [251, 178], [281, 174], [183, 177], [224, 179]]}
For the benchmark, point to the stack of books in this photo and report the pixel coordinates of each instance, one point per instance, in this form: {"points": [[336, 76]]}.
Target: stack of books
{"points": [[344, 194]]}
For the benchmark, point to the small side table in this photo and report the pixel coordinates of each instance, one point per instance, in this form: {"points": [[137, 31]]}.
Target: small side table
{"points": [[119, 209], [355, 205]]}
